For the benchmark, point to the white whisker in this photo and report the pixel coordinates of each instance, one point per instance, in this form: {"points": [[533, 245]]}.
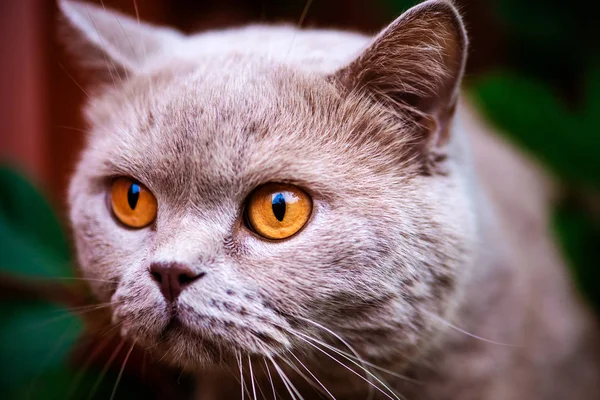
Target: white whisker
{"points": [[242, 384], [144, 50], [299, 25], [109, 63], [349, 357], [338, 337], [456, 328], [86, 364], [112, 396], [353, 371], [252, 377], [105, 369], [127, 37], [286, 381], [271, 380], [311, 374], [74, 80], [72, 278]]}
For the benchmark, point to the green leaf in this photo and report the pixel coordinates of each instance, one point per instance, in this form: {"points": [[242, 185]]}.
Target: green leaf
{"points": [[32, 242], [34, 338], [37, 338]]}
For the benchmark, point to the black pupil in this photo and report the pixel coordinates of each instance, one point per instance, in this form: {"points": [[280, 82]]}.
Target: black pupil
{"points": [[133, 195], [278, 205]]}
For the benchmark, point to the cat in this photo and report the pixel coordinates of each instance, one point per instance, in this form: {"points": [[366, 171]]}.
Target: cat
{"points": [[317, 214]]}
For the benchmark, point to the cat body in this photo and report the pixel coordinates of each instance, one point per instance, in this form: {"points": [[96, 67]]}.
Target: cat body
{"points": [[427, 257]]}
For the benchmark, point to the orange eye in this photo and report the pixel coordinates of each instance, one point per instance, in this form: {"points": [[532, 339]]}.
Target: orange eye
{"points": [[277, 211], [132, 203]]}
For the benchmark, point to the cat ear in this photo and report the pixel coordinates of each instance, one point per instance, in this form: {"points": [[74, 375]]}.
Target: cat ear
{"points": [[113, 43], [415, 67]]}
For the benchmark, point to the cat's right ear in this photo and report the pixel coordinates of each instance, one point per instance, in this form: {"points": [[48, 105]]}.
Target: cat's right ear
{"points": [[112, 44], [414, 67]]}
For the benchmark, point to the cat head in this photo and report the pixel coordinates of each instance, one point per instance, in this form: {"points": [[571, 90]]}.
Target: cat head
{"points": [[233, 201]]}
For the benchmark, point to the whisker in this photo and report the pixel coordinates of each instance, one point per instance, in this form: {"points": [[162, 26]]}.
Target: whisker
{"points": [[270, 380], [179, 377], [285, 384], [311, 374], [112, 328], [242, 384], [354, 372], [61, 340], [65, 315], [86, 364], [164, 355], [72, 128], [302, 375], [345, 343], [349, 357], [456, 328], [74, 80], [286, 381], [92, 306], [108, 62], [252, 377], [299, 24], [331, 332], [123, 30], [112, 396], [144, 50], [262, 394], [105, 369], [304, 13], [72, 278]]}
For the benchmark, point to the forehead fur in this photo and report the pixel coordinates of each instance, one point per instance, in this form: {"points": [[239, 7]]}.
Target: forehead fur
{"points": [[247, 122]]}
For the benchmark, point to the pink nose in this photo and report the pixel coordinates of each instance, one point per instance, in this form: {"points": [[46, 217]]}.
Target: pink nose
{"points": [[173, 278]]}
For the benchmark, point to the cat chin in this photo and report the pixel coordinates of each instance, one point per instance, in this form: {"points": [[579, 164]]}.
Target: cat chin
{"points": [[181, 346], [193, 346]]}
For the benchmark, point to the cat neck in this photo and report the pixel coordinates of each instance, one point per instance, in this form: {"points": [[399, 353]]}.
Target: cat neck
{"points": [[519, 319]]}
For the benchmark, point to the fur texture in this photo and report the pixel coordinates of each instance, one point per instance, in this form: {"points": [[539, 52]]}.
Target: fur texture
{"points": [[404, 247]]}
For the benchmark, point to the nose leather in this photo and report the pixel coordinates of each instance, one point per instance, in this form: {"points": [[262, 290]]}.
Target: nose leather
{"points": [[173, 278]]}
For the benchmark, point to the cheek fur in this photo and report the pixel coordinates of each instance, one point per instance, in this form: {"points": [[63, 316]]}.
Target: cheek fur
{"points": [[139, 308], [106, 251]]}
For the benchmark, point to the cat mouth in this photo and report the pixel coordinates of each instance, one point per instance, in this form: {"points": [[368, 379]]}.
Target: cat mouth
{"points": [[176, 332], [175, 326], [219, 338]]}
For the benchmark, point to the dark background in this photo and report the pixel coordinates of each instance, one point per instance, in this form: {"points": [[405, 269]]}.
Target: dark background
{"points": [[534, 72]]}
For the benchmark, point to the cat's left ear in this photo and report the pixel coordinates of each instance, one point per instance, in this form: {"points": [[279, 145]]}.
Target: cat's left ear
{"points": [[415, 67], [111, 43]]}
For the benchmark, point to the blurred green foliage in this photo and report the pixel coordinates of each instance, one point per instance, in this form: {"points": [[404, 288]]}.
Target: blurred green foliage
{"points": [[37, 337], [35, 341], [32, 242], [546, 99], [550, 39], [531, 114]]}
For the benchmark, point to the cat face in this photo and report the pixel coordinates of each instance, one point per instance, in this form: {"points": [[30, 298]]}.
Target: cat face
{"points": [[389, 229]]}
